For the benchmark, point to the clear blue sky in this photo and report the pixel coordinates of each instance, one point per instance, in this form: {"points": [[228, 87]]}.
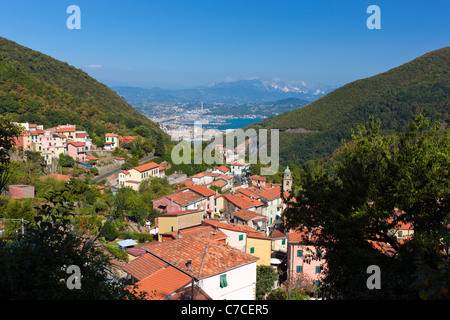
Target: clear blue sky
{"points": [[194, 42]]}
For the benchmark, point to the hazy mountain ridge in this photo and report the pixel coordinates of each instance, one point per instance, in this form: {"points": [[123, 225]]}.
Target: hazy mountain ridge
{"points": [[228, 91]]}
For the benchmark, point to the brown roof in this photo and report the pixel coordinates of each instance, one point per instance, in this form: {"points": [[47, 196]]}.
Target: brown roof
{"points": [[208, 257]]}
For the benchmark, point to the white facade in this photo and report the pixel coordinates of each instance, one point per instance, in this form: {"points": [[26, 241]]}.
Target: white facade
{"points": [[241, 284]]}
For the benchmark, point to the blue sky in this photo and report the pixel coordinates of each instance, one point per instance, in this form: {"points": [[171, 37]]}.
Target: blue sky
{"points": [[186, 43]]}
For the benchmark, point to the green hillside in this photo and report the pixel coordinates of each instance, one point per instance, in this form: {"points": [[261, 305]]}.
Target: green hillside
{"points": [[38, 89], [316, 130]]}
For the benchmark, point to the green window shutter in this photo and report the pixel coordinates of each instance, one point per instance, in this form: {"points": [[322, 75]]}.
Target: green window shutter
{"points": [[318, 269], [299, 253], [252, 250], [283, 242], [299, 269], [223, 281], [241, 237], [319, 253], [400, 234]]}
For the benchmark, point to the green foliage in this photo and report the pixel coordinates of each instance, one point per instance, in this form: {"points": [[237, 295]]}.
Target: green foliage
{"points": [[316, 130], [265, 280], [36, 264], [109, 231], [353, 204], [66, 161], [36, 88]]}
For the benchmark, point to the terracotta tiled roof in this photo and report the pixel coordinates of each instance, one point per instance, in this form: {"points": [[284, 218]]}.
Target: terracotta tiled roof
{"points": [[243, 202], [162, 283], [187, 182], [222, 168], [178, 213], [267, 193], [77, 144], [252, 233], [81, 135], [58, 177], [276, 234], [185, 198], [146, 167], [71, 129], [92, 158], [201, 231], [208, 257], [256, 177], [143, 266], [247, 215], [204, 191], [111, 135], [218, 183], [302, 235]]}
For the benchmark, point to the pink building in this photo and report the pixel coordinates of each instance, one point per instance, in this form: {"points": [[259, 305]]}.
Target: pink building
{"points": [[188, 198], [302, 270], [21, 191], [77, 150]]}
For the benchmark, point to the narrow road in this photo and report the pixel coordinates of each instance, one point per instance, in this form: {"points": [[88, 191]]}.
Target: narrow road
{"points": [[112, 172]]}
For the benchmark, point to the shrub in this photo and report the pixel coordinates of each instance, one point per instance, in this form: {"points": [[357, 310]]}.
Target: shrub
{"points": [[110, 232]]}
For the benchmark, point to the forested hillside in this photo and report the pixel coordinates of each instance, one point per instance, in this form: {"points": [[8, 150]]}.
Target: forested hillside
{"points": [[38, 89], [316, 130]]}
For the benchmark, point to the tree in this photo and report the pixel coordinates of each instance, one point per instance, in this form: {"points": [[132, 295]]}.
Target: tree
{"points": [[66, 161], [8, 132], [39, 262], [374, 184], [160, 147], [265, 280]]}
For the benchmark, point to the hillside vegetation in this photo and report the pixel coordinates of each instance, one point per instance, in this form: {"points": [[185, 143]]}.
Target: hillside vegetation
{"points": [[38, 89], [394, 97]]}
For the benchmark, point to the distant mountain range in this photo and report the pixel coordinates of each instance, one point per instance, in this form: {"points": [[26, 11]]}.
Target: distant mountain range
{"points": [[228, 91]]}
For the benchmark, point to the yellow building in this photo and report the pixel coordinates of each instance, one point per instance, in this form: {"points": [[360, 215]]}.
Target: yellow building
{"points": [[174, 221]]}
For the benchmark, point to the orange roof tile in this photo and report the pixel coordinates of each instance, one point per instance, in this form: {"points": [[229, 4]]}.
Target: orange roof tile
{"points": [[208, 257], [242, 202], [163, 282], [252, 233], [143, 266], [146, 167], [201, 231], [185, 198], [247, 215]]}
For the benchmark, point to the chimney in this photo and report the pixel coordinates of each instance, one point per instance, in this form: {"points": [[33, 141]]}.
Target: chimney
{"points": [[188, 265], [179, 234]]}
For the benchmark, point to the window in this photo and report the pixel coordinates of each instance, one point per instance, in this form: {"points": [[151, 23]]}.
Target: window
{"points": [[299, 253], [283, 242], [241, 237], [299, 269], [318, 269], [223, 281], [400, 234], [319, 253], [252, 250]]}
